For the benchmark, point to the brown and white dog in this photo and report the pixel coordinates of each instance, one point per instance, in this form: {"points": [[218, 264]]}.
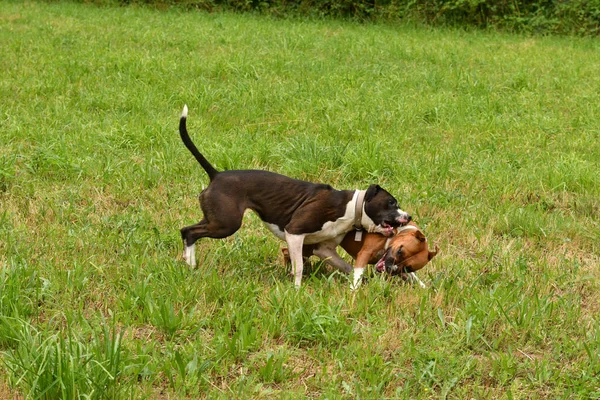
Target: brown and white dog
{"points": [[296, 211], [403, 254]]}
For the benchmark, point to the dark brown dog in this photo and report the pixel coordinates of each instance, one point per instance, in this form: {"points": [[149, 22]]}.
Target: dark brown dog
{"points": [[296, 211], [403, 254]]}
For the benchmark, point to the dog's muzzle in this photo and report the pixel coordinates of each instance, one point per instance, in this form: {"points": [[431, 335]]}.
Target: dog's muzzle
{"points": [[392, 265], [403, 219]]}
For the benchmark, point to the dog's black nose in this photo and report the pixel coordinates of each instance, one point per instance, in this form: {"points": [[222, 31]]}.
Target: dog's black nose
{"points": [[409, 218]]}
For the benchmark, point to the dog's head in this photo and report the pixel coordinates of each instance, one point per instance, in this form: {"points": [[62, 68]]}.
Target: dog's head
{"points": [[382, 213], [408, 251]]}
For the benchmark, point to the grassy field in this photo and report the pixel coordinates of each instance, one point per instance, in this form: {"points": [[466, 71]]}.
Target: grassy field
{"points": [[491, 141]]}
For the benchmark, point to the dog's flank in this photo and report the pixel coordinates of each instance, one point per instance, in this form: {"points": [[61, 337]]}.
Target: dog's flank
{"points": [[297, 211]]}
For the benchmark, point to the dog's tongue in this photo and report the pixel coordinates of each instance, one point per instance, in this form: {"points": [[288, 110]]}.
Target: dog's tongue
{"points": [[380, 266]]}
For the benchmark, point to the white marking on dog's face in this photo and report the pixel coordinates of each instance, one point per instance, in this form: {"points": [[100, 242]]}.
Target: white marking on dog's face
{"points": [[403, 216], [406, 228], [387, 243]]}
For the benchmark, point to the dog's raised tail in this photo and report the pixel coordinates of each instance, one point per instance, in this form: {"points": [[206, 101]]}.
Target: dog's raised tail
{"points": [[187, 141]]}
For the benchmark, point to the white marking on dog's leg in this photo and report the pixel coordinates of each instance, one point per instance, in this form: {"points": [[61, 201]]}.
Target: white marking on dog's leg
{"points": [[193, 256], [358, 272], [415, 279], [190, 255], [295, 243]]}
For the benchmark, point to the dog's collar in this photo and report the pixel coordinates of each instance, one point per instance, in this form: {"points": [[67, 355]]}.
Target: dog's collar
{"points": [[358, 209], [401, 229]]}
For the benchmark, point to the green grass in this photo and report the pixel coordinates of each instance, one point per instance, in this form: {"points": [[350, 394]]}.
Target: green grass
{"points": [[491, 141]]}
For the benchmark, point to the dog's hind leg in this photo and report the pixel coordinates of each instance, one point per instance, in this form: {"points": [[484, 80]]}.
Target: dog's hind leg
{"points": [[327, 253], [222, 218], [189, 254], [216, 230]]}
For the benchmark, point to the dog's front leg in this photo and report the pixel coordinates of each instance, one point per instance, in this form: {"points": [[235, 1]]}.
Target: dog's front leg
{"points": [[413, 278], [294, 243], [362, 259]]}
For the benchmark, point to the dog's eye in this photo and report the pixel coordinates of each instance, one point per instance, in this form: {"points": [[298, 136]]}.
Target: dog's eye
{"points": [[399, 251], [392, 202]]}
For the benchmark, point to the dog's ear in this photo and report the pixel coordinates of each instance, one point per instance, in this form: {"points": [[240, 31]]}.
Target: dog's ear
{"points": [[372, 191], [419, 235], [433, 253]]}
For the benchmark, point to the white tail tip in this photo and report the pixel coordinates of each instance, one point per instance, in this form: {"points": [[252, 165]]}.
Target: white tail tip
{"points": [[184, 112]]}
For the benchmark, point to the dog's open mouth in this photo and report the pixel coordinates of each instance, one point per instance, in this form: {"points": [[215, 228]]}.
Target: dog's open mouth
{"points": [[393, 269], [388, 264], [380, 266], [388, 230]]}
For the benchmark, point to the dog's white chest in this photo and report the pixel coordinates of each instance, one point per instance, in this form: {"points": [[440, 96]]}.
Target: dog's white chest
{"points": [[329, 230]]}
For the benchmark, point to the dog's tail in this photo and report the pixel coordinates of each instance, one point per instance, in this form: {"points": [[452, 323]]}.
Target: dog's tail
{"points": [[185, 137]]}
